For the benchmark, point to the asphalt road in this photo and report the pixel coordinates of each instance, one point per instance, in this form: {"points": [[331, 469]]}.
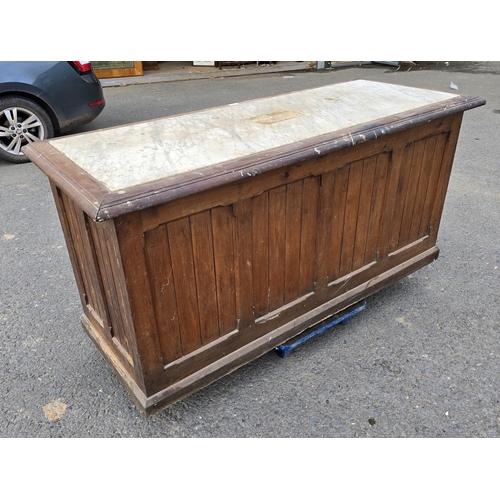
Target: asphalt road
{"points": [[421, 361]]}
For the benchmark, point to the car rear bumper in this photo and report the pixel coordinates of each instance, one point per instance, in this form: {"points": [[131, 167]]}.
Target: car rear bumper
{"points": [[76, 116], [73, 99]]}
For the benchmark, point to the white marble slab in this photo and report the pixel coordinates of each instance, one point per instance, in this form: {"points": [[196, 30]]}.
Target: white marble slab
{"points": [[127, 156]]}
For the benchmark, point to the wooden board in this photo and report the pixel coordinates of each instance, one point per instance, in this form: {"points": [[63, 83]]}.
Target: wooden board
{"points": [[117, 69]]}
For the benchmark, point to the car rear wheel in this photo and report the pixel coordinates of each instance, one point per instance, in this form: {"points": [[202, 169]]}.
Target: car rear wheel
{"points": [[21, 121]]}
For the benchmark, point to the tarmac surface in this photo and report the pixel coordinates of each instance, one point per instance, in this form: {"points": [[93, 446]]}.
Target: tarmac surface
{"points": [[422, 360]]}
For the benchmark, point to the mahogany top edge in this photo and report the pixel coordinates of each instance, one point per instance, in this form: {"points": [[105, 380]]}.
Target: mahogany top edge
{"points": [[101, 203]]}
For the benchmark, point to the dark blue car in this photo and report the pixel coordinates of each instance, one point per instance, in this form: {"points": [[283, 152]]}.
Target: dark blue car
{"points": [[39, 100]]}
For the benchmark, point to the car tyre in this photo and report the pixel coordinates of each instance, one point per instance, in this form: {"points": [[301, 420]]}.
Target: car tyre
{"points": [[21, 121]]}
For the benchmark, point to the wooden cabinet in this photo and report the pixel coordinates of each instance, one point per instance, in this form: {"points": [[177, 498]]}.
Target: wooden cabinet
{"points": [[201, 241]]}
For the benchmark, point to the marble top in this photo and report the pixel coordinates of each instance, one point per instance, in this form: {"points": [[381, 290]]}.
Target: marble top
{"points": [[122, 157]]}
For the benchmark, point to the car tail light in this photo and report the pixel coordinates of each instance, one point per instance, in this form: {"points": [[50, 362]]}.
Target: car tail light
{"points": [[96, 103], [83, 66]]}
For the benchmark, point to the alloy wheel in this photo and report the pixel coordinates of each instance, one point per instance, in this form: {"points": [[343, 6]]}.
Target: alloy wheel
{"points": [[19, 126]]}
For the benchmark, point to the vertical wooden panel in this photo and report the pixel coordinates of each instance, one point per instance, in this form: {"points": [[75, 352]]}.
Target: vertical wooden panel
{"points": [[324, 228], [415, 169], [163, 291], [293, 224], [97, 301], [62, 201], [201, 234], [432, 184], [376, 205], [86, 257], [336, 221], [260, 256], [223, 241], [310, 197], [277, 206], [421, 189], [114, 287], [181, 251], [397, 158], [362, 226], [149, 365], [78, 247], [351, 217], [400, 194], [107, 298], [444, 176], [243, 259]]}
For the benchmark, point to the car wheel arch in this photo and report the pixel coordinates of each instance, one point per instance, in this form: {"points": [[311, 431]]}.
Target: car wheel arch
{"points": [[35, 98]]}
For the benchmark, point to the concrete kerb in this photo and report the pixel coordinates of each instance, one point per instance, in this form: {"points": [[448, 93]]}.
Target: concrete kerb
{"points": [[194, 73]]}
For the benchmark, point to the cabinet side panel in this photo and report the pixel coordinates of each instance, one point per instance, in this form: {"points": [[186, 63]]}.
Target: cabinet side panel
{"points": [[94, 266], [84, 248]]}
